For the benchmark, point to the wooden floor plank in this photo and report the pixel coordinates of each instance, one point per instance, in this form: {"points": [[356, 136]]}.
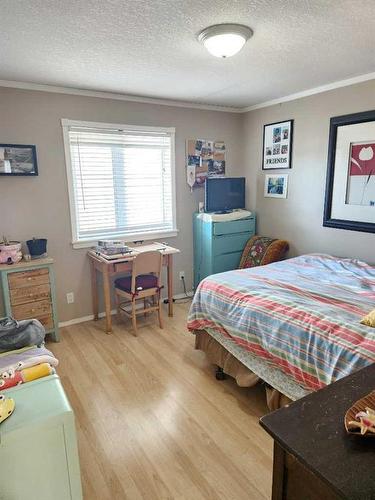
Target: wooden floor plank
{"points": [[153, 422]]}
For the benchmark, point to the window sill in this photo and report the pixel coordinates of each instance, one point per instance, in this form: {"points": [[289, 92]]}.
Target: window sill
{"points": [[128, 238]]}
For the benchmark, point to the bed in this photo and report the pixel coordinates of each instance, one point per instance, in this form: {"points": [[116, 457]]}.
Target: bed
{"points": [[294, 324]]}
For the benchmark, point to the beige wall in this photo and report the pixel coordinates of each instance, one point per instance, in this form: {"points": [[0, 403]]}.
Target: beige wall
{"points": [[38, 206], [299, 217]]}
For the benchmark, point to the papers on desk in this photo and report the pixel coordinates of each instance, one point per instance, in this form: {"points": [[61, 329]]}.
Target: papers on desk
{"points": [[111, 256], [152, 247], [111, 249], [130, 251]]}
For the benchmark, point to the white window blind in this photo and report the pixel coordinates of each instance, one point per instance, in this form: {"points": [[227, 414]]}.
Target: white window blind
{"points": [[121, 181]]}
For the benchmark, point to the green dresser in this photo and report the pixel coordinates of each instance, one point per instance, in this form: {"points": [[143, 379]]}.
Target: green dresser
{"points": [[28, 290], [218, 246], [38, 446]]}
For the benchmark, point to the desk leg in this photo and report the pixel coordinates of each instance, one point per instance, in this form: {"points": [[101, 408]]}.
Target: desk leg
{"points": [[94, 291], [107, 301], [170, 284]]}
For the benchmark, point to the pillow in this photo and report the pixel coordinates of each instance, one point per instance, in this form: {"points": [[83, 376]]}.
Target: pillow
{"points": [[369, 320], [260, 250]]}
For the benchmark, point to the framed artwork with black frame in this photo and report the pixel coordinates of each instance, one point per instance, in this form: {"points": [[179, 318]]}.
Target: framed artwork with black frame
{"points": [[350, 185], [277, 145], [18, 159]]}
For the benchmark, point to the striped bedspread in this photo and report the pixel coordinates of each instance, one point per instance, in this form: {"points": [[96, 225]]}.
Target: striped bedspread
{"points": [[301, 315]]}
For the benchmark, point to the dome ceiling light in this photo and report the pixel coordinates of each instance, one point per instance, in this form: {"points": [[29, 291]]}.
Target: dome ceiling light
{"points": [[225, 40]]}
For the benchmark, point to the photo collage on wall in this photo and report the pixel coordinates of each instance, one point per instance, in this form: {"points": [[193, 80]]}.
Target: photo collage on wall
{"points": [[277, 145], [277, 154], [205, 158]]}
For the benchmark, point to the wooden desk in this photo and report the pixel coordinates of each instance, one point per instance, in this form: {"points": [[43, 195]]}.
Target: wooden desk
{"points": [[110, 268], [314, 458]]}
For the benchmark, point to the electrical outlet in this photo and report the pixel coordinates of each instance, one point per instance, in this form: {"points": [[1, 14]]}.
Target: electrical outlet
{"points": [[70, 297], [182, 275]]}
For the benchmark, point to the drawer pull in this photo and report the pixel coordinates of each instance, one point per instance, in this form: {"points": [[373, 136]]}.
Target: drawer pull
{"points": [[33, 310], [29, 278]]}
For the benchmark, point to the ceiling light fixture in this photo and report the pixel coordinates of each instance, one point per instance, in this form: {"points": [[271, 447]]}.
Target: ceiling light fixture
{"points": [[225, 40]]}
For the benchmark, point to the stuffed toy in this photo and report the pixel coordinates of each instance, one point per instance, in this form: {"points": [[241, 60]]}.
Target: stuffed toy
{"points": [[6, 407], [13, 377]]}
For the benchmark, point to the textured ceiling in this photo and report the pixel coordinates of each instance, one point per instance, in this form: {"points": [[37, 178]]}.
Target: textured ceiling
{"points": [[149, 47]]}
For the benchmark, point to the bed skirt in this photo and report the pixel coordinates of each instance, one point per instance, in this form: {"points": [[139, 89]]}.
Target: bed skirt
{"points": [[218, 355]]}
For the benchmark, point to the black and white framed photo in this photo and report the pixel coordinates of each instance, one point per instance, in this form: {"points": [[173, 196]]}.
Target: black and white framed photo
{"points": [[350, 185], [276, 186], [277, 145], [18, 159]]}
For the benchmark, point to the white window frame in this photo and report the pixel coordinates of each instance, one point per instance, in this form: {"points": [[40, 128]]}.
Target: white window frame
{"points": [[151, 235]]}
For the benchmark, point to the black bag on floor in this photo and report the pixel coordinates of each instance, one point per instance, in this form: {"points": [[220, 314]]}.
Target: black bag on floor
{"points": [[17, 334]]}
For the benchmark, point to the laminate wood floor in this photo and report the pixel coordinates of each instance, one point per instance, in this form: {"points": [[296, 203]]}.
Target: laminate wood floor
{"points": [[152, 420]]}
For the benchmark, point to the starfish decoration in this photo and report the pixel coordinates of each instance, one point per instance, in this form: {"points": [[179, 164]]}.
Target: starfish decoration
{"points": [[365, 421]]}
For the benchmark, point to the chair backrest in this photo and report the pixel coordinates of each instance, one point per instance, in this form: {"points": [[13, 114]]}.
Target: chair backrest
{"points": [[147, 263]]}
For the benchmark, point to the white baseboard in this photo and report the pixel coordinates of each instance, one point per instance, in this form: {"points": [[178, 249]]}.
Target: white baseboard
{"points": [[83, 319], [90, 317]]}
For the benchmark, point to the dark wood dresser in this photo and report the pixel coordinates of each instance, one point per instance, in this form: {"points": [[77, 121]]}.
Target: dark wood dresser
{"points": [[314, 458]]}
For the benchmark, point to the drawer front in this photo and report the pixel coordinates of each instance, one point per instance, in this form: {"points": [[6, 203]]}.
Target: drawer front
{"points": [[27, 294], [123, 267], [226, 262], [28, 278], [229, 243], [32, 310], [234, 226], [40, 454]]}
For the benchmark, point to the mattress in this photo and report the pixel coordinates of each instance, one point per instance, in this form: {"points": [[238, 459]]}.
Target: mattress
{"points": [[300, 316]]}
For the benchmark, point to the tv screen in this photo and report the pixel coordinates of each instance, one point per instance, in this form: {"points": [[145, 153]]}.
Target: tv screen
{"points": [[224, 194]]}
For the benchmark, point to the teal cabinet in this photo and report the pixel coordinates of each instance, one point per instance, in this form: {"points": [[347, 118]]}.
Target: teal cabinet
{"points": [[38, 446], [218, 246]]}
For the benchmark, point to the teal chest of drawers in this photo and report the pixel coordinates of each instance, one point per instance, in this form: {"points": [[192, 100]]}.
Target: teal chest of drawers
{"points": [[218, 245]]}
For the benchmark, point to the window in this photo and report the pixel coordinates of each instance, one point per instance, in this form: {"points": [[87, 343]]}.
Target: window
{"points": [[121, 181]]}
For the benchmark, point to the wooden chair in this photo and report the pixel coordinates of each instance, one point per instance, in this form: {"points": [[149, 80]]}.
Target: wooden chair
{"points": [[261, 250], [143, 284]]}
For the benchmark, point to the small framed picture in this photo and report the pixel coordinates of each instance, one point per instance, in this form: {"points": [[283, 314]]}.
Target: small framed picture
{"points": [[18, 159], [276, 185], [277, 145]]}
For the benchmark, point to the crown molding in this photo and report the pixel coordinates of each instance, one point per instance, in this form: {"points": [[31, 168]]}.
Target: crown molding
{"points": [[112, 95], [184, 104], [316, 90]]}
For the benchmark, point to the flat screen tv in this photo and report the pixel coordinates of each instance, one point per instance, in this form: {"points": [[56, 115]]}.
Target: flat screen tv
{"points": [[224, 194]]}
